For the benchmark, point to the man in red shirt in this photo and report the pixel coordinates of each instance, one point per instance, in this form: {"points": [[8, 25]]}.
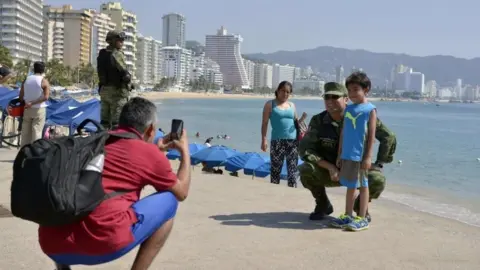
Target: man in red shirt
{"points": [[121, 223]]}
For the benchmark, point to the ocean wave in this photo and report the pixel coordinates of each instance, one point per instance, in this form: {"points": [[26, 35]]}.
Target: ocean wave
{"points": [[423, 204]]}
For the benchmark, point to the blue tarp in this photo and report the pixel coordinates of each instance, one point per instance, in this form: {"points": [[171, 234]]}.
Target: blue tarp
{"points": [[6, 97], [193, 149], [61, 106], [214, 155], [248, 162], [264, 170], [4, 90], [74, 117]]}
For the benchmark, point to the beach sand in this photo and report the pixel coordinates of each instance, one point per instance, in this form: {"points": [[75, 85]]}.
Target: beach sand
{"points": [[240, 223]]}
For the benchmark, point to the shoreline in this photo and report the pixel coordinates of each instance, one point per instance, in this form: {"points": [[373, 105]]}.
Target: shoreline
{"points": [[198, 95], [438, 203], [155, 96]]}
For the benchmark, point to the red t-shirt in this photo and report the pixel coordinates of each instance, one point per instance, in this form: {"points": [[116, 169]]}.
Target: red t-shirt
{"points": [[130, 164]]}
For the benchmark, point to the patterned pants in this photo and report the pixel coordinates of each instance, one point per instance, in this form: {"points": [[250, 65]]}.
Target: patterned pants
{"points": [[279, 150]]}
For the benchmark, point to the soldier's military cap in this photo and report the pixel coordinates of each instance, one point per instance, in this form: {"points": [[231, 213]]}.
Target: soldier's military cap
{"points": [[333, 88], [114, 35]]}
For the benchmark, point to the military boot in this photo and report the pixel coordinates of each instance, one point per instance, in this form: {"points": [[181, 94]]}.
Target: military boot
{"points": [[319, 213]]}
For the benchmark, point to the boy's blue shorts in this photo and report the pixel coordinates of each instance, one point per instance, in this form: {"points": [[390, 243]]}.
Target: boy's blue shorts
{"points": [[152, 212], [352, 176]]}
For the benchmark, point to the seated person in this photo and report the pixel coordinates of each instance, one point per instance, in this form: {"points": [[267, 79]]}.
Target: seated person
{"points": [[121, 223]]}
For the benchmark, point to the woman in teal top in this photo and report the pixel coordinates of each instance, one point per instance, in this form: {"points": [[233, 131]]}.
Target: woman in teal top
{"points": [[282, 115]]}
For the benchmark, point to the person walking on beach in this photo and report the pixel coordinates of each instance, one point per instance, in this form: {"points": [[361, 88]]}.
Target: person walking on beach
{"points": [[120, 224], [114, 79], [34, 92], [355, 150], [282, 115], [319, 151]]}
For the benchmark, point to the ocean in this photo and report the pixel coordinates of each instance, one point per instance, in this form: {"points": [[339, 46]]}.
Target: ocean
{"points": [[436, 167]]}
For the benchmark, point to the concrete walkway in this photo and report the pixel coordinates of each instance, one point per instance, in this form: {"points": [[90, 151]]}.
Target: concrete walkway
{"points": [[239, 223]]}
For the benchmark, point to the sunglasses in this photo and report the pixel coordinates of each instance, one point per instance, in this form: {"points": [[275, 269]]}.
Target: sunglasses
{"points": [[329, 97]]}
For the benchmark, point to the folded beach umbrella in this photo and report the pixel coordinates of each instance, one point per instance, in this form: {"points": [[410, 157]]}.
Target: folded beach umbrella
{"points": [[214, 155], [264, 170], [248, 162], [193, 147]]}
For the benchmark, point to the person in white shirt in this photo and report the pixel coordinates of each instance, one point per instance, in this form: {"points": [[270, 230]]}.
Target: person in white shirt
{"points": [[35, 92]]}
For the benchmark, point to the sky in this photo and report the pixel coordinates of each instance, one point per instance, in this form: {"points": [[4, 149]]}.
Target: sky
{"points": [[415, 27]]}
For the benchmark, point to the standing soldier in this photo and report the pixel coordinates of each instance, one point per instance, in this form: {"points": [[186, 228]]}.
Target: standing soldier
{"points": [[319, 149], [114, 79]]}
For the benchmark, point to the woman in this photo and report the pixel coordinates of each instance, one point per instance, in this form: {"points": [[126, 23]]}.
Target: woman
{"points": [[282, 116]]}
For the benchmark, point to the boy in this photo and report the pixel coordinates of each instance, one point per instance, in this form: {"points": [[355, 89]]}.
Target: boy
{"points": [[355, 150]]}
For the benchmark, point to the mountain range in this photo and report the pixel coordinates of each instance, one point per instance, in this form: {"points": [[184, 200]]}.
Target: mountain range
{"points": [[445, 70]]}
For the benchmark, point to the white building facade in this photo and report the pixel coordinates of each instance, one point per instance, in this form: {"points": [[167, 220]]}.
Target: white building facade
{"points": [[148, 60], [101, 25], [225, 50], [176, 64], [282, 73], [173, 33], [212, 72], [21, 28], [263, 76], [125, 22], [250, 69]]}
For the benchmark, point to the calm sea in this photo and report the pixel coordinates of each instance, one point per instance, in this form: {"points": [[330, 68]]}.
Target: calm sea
{"points": [[435, 169]]}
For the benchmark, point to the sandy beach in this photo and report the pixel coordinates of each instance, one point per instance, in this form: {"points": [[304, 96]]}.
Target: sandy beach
{"points": [[240, 223]]}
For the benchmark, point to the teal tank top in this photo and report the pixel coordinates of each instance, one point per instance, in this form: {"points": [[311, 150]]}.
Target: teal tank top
{"points": [[282, 122]]}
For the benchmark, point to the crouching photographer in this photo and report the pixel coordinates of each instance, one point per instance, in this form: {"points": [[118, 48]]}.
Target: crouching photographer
{"points": [[123, 222]]}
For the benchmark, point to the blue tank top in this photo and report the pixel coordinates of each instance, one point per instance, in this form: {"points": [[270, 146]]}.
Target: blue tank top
{"points": [[355, 130], [282, 122]]}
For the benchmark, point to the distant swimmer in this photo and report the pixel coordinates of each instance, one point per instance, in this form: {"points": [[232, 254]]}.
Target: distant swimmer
{"points": [[197, 135]]}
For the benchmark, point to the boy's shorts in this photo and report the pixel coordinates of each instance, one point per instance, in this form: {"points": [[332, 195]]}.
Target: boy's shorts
{"points": [[352, 176]]}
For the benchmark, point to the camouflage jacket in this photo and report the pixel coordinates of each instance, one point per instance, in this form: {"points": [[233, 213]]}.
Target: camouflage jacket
{"points": [[322, 139], [111, 67]]}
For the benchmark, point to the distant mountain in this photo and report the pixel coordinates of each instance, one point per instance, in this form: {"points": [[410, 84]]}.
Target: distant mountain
{"points": [[444, 69]]}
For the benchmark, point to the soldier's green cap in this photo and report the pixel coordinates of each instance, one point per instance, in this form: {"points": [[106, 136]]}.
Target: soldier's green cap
{"points": [[333, 88], [113, 35]]}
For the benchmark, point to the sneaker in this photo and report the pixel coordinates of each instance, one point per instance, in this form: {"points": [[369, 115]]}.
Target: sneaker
{"points": [[358, 224], [342, 221]]}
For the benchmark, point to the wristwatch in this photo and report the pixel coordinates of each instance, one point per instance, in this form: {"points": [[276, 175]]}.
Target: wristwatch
{"points": [[379, 164]]}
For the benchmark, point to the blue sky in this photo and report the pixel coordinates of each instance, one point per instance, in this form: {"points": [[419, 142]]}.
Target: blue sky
{"points": [[417, 27]]}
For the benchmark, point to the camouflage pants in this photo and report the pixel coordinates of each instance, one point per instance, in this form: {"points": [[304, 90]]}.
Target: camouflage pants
{"points": [[316, 179], [112, 100]]}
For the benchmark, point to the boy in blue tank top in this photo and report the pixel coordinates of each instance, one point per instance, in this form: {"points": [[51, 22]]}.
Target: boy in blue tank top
{"points": [[355, 150]]}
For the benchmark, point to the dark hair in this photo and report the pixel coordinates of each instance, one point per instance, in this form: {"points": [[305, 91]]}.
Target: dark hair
{"points": [[138, 113], [38, 67], [359, 78], [282, 85]]}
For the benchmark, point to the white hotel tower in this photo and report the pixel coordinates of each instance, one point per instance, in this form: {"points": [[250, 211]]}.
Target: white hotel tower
{"points": [[21, 24], [224, 49]]}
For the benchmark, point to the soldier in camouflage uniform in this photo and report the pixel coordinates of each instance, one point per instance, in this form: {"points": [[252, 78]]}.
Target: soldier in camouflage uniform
{"points": [[114, 79], [319, 150]]}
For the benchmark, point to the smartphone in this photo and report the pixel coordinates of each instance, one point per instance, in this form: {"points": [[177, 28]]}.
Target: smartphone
{"points": [[177, 129]]}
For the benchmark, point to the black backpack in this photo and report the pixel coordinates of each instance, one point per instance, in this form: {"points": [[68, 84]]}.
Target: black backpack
{"points": [[59, 181]]}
